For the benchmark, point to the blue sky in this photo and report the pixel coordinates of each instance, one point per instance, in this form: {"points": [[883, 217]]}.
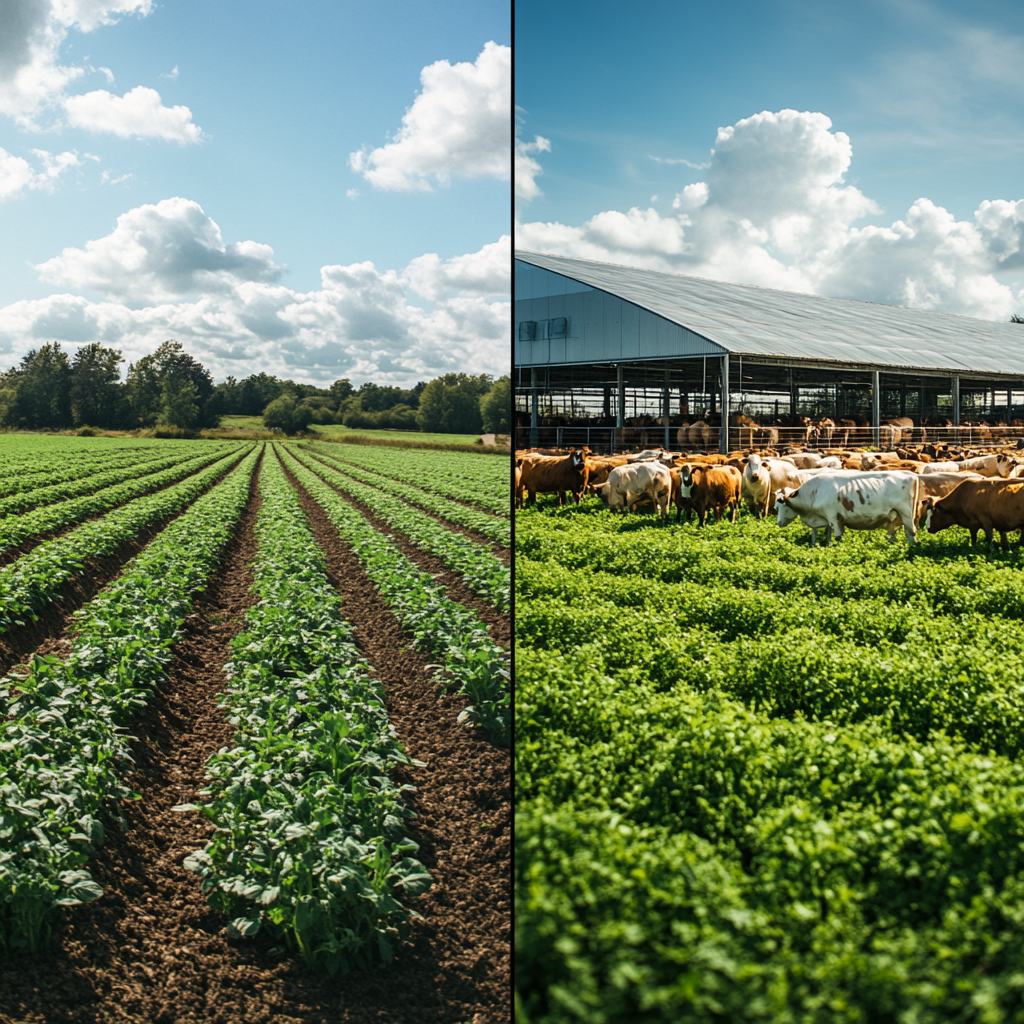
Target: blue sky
{"points": [[249, 114], [926, 104]]}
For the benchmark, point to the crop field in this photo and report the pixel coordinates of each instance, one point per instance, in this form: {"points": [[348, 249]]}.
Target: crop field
{"points": [[757, 781], [254, 732]]}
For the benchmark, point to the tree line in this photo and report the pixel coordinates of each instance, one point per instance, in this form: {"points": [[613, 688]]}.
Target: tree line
{"points": [[171, 389]]}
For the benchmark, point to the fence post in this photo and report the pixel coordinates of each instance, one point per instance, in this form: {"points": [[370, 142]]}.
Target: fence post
{"points": [[876, 406]]}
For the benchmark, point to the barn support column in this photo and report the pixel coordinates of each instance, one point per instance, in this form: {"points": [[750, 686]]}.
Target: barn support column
{"points": [[533, 408], [792, 395], [956, 401], [666, 408], [876, 406], [723, 434], [607, 402], [620, 405]]}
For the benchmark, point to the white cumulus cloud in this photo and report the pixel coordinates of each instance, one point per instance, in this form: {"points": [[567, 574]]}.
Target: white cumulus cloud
{"points": [[159, 252], [459, 124], [168, 273], [34, 83], [139, 113], [16, 173], [775, 210]]}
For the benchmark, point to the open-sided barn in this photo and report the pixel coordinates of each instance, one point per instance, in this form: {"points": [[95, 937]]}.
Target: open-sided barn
{"points": [[615, 356]]}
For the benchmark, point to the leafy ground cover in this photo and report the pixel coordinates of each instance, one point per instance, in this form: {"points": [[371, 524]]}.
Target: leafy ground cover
{"points": [[482, 571], [760, 782], [36, 577], [473, 663], [489, 526], [37, 468], [63, 749], [14, 530], [484, 483], [310, 843], [67, 482]]}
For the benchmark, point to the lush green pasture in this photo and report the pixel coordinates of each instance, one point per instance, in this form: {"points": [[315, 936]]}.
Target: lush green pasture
{"points": [[762, 782]]}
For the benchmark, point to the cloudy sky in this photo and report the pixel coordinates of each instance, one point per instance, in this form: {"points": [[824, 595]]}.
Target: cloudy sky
{"points": [[872, 150], [313, 190]]}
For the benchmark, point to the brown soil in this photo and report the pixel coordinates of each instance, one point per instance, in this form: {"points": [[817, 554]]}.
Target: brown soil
{"points": [[499, 550], [151, 950], [498, 623], [45, 635], [457, 501]]}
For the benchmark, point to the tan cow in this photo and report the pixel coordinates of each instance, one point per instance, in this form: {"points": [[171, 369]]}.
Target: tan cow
{"points": [[711, 487]]}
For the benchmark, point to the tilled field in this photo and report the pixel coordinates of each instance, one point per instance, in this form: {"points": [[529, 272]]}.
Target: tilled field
{"points": [[150, 948]]}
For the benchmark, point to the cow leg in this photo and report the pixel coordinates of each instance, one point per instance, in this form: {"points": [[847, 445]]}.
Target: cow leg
{"points": [[909, 529], [1004, 543], [718, 513], [974, 537]]}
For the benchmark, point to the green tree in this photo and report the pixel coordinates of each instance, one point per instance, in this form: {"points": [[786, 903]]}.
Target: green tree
{"points": [[496, 407], [179, 404], [257, 392], [1016, 319], [96, 393], [450, 404], [286, 414], [147, 377], [39, 391], [340, 390]]}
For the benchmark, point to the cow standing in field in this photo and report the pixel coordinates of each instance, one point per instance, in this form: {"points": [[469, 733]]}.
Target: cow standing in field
{"points": [[989, 505], [628, 484], [711, 487], [544, 474], [855, 501], [756, 486]]}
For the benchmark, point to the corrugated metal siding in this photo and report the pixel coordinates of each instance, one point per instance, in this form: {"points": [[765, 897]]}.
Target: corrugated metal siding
{"points": [[742, 319]]}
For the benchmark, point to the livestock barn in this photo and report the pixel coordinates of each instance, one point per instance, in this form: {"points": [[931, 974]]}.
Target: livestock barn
{"points": [[616, 357]]}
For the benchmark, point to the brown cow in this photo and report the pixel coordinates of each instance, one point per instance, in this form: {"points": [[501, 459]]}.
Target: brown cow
{"points": [[989, 505], [708, 487], [543, 474]]}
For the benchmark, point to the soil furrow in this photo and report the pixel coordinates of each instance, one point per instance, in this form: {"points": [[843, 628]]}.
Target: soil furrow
{"points": [[458, 501], [498, 623], [150, 949], [46, 635], [458, 968], [498, 550]]}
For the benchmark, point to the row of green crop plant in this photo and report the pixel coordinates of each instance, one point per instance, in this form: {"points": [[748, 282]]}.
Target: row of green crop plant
{"points": [[681, 858], [64, 753], [919, 667], [15, 530], [35, 579], [473, 664], [489, 526], [310, 843], [944, 575], [482, 571], [94, 478], [480, 482], [39, 469]]}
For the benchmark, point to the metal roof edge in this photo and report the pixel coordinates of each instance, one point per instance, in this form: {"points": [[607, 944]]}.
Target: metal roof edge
{"points": [[726, 351], [521, 253]]}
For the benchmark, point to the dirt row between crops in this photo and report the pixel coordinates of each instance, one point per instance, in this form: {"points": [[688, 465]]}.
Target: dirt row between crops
{"points": [[455, 501], [499, 550], [152, 950], [459, 968], [43, 635], [498, 623]]}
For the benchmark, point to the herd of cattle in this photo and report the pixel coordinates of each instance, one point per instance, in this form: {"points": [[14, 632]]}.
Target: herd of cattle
{"points": [[830, 492]]}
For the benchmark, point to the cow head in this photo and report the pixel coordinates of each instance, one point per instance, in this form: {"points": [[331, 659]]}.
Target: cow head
{"points": [[601, 490], [1004, 463], [784, 511], [936, 517], [578, 460]]}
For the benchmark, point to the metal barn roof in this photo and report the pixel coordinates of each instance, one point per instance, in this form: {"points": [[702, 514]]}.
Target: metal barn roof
{"points": [[748, 320]]}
